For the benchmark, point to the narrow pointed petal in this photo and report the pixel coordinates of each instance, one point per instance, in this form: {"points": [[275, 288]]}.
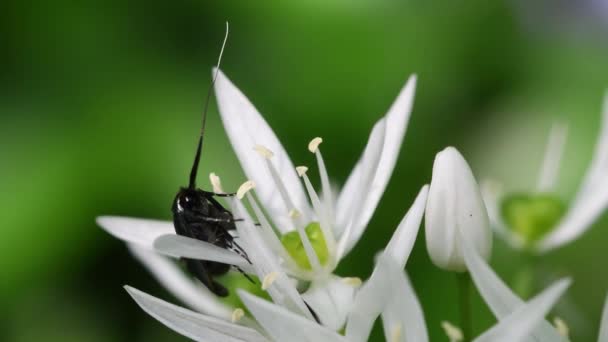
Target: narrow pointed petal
{"points": [[347, 221], [283, 325], [369, 302], [599, 163], [191, 324], [500, 299], [265, 262], [401, 243], [181, 286], [184, 247], [519, 325], [553, 155], [397, 120], [133, 230], [246, 129], [331, 299], [603, 337], [402, 318], [578, 219]]}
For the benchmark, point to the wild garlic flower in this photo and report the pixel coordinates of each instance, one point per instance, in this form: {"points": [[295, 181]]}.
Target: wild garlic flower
{"points": [[539, 220], [305, 239], [455, 210], [288, 318]]}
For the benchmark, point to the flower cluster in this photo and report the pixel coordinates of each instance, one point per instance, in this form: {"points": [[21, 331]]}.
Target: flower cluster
{"points": [[294, 237]]}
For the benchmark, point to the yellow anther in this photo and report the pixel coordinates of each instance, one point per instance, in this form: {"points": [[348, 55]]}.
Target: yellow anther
{"points": [[313, 145], [237, 314], [269, 279], [244, 188], [453, 332], [352, 281], [294, 213], [216, 183], [263, 151], [301, 170], [396, 333], [561, 327]]}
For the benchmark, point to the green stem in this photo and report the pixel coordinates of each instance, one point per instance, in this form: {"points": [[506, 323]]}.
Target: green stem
{"points": [[464, 299]]}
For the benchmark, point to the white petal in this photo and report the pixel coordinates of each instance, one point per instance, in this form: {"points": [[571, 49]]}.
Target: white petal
{"points": [[500, 299], [283, 325], [403, 311], [401, 243], [184, 247], [603, 337], [596, 172], [578, 219], [369, 301], [331, 300], [246, 128], [191, 324], [553, 155], [397, 120], [133, 230], [348, 218], [519, 324], [265, 262], [455, 206], [181, 286]]}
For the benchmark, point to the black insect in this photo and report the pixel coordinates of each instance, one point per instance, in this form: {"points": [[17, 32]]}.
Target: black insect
{"points": [[198, 215]]}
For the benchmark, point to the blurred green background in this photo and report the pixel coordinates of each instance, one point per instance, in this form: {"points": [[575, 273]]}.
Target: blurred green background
{"points": [[99, 113]]}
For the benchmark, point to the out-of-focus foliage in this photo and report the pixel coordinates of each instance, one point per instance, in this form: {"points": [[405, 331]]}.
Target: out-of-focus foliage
{"points": [[100, 104]]}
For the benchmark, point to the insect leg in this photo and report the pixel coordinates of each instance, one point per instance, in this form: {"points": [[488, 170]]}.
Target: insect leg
{"points": [[197, 268]]}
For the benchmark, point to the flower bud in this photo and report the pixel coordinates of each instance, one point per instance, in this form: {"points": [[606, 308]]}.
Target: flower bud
{"points": [[455, 210]]}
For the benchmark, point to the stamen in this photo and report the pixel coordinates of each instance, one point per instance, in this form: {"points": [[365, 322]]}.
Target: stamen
{"points": [[295, 214], [263, 151], [453, 332], [244, 188], [352, 281], [270, 234], [267, 154], [396, 333], [325, 227], [561, 327], [313, 145], [553, 155], [301, 170], [237, 314], [308, 249], [269, 279], [216, 183]]}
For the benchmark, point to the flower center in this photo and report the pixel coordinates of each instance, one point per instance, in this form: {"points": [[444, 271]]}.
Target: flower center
{"points": [[294, 246], [532, 216]]}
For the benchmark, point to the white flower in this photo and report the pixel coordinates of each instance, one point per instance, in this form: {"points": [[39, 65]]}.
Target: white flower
{"points": [[288, 318], [540, 221], [323, 230], [455, 208]]}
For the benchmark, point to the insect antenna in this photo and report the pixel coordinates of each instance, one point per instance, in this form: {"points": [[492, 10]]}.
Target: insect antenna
{"points": [[199, 148]]}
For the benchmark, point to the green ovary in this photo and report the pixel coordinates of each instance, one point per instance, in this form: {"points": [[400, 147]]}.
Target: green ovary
{"points": [[234, 281], [294, 246], [532, 216]]}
